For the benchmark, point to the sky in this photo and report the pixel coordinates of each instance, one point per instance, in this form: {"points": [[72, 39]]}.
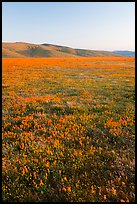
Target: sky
{"points": [[88, 25]]}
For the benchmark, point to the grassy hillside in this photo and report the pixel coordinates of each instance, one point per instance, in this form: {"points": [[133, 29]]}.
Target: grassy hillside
{"points": [[21, 50], [81, 52], [8, 53], [88, 53]]}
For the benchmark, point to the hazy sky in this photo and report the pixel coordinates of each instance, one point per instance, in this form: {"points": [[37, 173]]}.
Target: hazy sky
{"points": [[90, 25]]}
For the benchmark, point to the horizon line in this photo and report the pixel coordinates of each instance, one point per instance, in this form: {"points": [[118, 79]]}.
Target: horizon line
{"points": [[69, 46]]}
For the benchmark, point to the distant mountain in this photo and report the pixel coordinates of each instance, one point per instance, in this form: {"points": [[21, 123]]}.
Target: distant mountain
{"points": [[22, 50], [125, 53]]}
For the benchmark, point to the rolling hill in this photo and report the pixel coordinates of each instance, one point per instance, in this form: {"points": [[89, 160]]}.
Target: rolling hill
{"points": [[22, 50]]}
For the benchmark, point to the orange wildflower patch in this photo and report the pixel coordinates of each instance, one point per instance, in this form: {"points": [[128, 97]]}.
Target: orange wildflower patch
{"points": [[68, 129]]}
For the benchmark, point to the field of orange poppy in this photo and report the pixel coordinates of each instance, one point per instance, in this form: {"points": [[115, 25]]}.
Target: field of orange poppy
{"points": [[68, 129]]}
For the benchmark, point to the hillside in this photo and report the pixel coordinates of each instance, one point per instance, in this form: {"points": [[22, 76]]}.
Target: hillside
{"points": [[22, 50]]}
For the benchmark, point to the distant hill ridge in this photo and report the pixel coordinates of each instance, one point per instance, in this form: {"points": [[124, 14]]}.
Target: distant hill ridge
{"points": [[125, 53], [22, 50]]}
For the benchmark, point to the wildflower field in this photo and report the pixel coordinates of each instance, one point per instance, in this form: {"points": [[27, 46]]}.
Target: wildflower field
{"points": [[68, 129]]}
